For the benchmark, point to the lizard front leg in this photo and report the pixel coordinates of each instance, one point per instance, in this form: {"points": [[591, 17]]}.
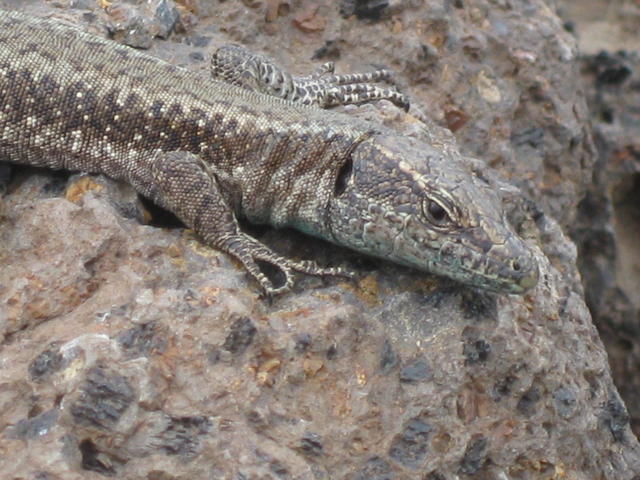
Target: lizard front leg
{"points": [[236, 65], [183, 185]]}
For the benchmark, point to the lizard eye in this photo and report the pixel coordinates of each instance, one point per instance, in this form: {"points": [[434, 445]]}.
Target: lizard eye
{"points": [[344, 175], [435, 213]]}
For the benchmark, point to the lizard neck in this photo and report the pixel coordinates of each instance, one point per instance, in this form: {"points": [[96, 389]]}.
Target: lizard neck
{"points": [[295, 171]]}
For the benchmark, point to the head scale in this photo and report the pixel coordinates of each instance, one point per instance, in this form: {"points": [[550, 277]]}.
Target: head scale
{"points": [[402, 200]]}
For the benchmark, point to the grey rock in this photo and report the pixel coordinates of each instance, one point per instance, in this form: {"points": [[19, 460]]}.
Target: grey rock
{"points": [[159, 359]]}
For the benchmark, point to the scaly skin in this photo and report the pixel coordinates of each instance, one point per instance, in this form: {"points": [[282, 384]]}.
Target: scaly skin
{"points": [[211, 152], [236, 65]]}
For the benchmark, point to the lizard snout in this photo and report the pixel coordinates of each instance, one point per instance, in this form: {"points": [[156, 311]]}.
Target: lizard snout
{"points": [[521, 269]]}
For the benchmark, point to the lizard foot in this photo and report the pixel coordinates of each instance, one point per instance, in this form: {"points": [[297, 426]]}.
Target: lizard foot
{"points": [[257, 258], [236, 65], [326, 89]]}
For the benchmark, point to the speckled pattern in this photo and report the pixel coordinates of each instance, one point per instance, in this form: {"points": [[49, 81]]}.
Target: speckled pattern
{"points": [[211, 152], [236, 65]]}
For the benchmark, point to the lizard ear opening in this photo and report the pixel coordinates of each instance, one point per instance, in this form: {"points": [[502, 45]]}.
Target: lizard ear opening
{"points": [[344, 175]]}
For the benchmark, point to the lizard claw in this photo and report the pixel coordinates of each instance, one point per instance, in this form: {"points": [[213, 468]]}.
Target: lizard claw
{"points": [[270, 291], [254, 256], [288, 267]]}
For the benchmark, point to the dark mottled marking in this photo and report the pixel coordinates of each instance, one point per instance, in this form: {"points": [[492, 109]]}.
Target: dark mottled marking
{"points": [[29, 47], [123, 53], [156, 108], [435, 476], [246, 109]]}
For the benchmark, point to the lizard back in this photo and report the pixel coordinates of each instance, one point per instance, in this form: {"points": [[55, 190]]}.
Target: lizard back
{"points": [[75, 101]]}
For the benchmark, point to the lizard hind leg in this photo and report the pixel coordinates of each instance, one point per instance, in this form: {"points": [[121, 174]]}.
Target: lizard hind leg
{"points": [[183, 185], [236, 65]]}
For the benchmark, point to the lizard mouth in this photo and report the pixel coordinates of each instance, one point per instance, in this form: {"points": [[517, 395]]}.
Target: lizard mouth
{"points": [[512, 277], [506, 268]]}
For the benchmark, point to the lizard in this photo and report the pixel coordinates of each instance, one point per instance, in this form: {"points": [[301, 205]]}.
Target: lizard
{"points": [[216, 150]]}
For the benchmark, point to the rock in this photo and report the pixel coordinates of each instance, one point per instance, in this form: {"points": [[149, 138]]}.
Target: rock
{"points": [[138, 23], [133, 351], [607, 227]]}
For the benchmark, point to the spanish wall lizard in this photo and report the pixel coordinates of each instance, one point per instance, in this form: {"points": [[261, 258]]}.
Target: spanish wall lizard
{"points": [[211, 152]]}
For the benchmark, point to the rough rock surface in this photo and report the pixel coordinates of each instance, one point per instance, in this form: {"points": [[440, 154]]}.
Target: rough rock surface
{"points": [[132, 351], [607, 226]]}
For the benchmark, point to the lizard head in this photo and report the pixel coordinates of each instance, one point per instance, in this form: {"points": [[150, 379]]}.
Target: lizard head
{"points": [[405, 201]]}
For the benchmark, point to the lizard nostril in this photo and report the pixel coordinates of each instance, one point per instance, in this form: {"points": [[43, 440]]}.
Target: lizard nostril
{"points": [[515, 265]]}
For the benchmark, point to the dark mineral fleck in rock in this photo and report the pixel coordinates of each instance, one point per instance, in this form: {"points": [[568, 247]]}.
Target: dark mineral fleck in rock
{"points": [[435, 476], [476, 351], [241, 336], [533, 137], [48, 362], [478, 305], [502, 387], [105, 396], [528, 401], [388, 358], [181, 437], [410, 447], [303, 342], [416, 371], [311, 444], [615, 416], [363, 9], [609, 69], [375, 468], [565, 402], [474, 456], [212, 353], [96, 461], [30, 428], [332, 352], [197, 56], [143, 340]]}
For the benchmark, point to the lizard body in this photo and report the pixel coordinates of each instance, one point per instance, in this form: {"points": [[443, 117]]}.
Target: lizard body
{"points": [[211, 152]]}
